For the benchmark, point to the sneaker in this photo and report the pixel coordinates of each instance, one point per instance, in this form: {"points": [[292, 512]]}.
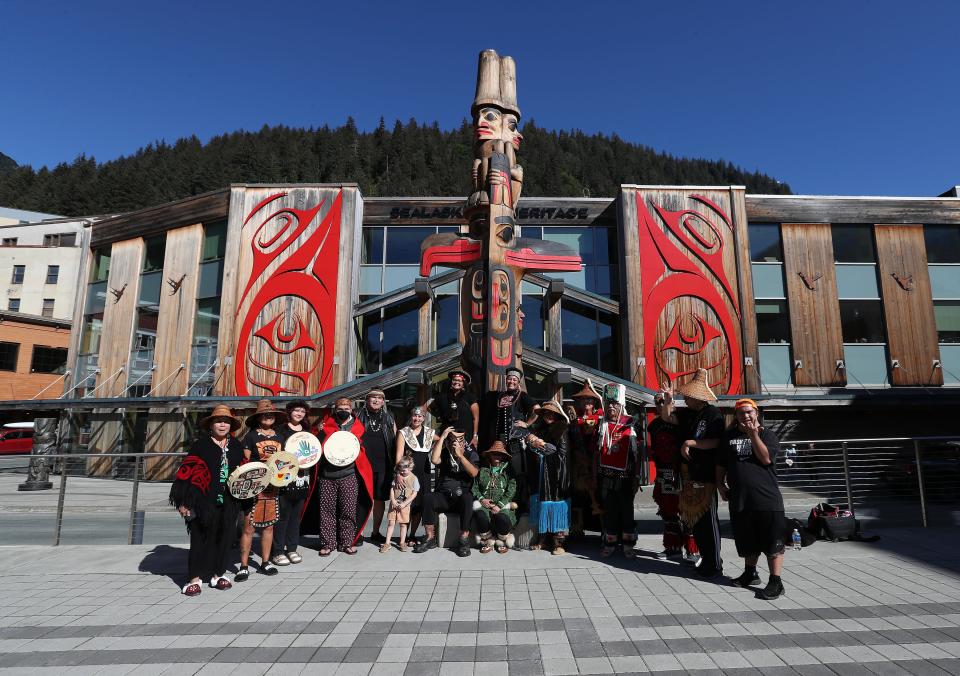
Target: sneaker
{"points": [[294, 557], [773, 590], [385, 547], [242, 575], [691, 560], [746, 579], [269, 569], [463, 548], [426, 545], [280, 560]]}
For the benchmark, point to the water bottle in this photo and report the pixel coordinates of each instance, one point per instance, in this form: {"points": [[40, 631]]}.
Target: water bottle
{"points": [[796, 540]]}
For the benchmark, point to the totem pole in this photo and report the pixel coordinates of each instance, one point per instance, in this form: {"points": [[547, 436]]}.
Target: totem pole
{"points": [[494, 258]]}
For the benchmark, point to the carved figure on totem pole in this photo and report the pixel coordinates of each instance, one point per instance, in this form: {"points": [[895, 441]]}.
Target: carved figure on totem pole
{"points": [[494, 258]]}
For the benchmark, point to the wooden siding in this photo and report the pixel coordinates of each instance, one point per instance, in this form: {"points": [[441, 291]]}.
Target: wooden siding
{"points": [[680, 285], [748, 324], [908, 304], [797, 209], [79, 307], [205, 208], [815, 313]]}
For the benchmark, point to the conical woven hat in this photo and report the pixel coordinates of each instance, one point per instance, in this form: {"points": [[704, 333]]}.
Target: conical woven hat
{"points": [[588, 392], [698, 388]]}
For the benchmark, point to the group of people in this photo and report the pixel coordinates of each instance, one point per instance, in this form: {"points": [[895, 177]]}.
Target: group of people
{"points": [[489, 464]]}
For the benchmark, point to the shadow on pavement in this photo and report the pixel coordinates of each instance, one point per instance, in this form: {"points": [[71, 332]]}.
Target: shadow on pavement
{"points": [[167, 561]]}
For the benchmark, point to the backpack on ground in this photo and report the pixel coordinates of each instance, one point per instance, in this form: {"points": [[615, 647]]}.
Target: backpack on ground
{"points": [[807, 538], [829, 522]]}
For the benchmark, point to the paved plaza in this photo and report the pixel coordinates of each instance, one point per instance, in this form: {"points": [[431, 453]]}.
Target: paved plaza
{"points": [[890, 607]]}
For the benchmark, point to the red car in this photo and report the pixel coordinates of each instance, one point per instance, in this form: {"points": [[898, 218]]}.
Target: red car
{"points": [[16, 438]]}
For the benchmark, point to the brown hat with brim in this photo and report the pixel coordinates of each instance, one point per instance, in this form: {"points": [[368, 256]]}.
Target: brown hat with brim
{"points": [[498, 447], [264, 407], [553, 407], [588, 392], [698, 388], [220, 411]]}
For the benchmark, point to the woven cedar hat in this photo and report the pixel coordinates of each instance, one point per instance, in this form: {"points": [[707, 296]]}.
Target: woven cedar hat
{"points": [[265, 406], [698, 388], [553, 407], [588, 393], [221, 411], [498, 447], [496, 83]]}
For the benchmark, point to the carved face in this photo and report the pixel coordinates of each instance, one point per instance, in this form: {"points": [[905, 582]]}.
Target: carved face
{"points": [[488, 124], [510, 131]]}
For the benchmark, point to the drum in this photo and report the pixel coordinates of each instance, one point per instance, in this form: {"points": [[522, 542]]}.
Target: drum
{"points": [[283, 468], [341, 448], [248, 481], [306, 447]]}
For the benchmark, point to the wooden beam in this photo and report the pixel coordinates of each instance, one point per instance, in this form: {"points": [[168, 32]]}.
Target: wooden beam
{"points": [[810, 209], [212, 206]]}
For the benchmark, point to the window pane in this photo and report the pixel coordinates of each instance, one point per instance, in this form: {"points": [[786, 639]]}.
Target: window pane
{"points": [[214, 240], [18, 273], [577, 279], [8, 356], [400, 331], [945, 281], [370, 280], [950, 358], [857, 281], [92, 329], [53, 274], [13, 305], [206, 325], [773, 321], [96, 297], [533, 321], [765, 244], [48, 360], [853, 243], [579, 328], [947, 314], [767, 280], [531, 231], [101, 266], [368, 329], [371, 244], [396, 276], [866, 364], [211, 280], [600, 279], [605, 245], [448, 320], [153, 253], [403, 243], [47, 307], [608, 329], [150, 289], [943, 243], [775, 364], [580, 240], [862, 321]]}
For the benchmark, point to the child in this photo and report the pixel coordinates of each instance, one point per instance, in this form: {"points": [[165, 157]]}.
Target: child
{"points": [[403, 492]]}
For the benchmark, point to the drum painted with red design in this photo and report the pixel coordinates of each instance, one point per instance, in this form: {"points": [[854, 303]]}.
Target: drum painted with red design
{"points": [[283, 468]]}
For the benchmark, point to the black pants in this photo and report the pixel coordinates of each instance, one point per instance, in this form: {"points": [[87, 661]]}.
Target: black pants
{"points": [[706, 533], [210, 546], [616, 499], [461, 505], [286, 533], [483, 522]]}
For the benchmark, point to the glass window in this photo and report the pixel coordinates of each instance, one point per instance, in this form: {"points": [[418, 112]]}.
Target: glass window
{"points": [[397, 276], [48, 360], [862, 321], [950, 358], [8, 356], [403, 244], [579, 329], [605, 245], [153, 253], [945, 281], [531, 231], [92, 330], [13, 305], [211, 280], [206, 325], [857, 281], [214, 240], [767, 280], [608, 330], [853, 243], [68, 239], [18, 272], [580, 240], [9, 241], [370, 280], [534, 320], [773, 321], [448, 320], [400, 332], [943, 243], [96, 297], [947, 314], [765, 243], [47, 310], [101, 265], [775, 364], [53, 274], [368, 330], [865, 364], [371, 244], [150, 289]]}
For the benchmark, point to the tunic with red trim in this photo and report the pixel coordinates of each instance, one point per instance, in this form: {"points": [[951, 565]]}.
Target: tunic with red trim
{"points": [[616, 448]]}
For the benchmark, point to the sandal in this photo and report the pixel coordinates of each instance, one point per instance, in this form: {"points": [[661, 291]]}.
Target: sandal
{"points": [[403, 547], [502, 548], [294, 557], [349, 551], [325, 551], [384, 548], [192, 589], [486, 547], [220, 582]]}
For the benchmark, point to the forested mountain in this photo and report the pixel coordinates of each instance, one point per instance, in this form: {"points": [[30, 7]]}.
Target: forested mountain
{"points": [[411, 159], [6, 164]]}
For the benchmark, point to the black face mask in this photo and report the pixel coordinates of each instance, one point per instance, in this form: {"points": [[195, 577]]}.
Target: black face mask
{"points": [[342, 416]]}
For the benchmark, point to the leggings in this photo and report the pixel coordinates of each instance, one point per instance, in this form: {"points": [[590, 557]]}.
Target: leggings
{"points": [[442, 502], [286, 534], [483, 522], [616, 498], [338, 511]]}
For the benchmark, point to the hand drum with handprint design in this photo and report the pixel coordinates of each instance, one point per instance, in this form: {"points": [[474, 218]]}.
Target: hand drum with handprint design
{"points": [[306, 447]]}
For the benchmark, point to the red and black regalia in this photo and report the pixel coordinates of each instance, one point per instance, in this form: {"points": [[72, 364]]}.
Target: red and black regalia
{"points": [[200, 485], [665, 441], [340, 498], [616, 459]]}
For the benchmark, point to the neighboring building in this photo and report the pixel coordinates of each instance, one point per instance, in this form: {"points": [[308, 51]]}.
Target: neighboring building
{"points": [[33, 356], [21, 217], [40, 265]]}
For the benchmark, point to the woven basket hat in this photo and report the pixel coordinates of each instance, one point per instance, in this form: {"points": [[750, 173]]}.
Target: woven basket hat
{"points": [[221, 411], [698, 388], [588, 393]]}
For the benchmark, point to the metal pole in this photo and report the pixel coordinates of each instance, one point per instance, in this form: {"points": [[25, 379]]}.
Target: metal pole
{"points": [[923, 493], [63, 492], [846, 477], [133, 499]]}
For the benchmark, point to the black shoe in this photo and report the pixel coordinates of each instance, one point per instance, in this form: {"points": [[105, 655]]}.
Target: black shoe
{"points": [[746, 579], [707, 573], [463, 548], [426, 545], [241, 575], [773, 590], [269, 569], [377, 538]]}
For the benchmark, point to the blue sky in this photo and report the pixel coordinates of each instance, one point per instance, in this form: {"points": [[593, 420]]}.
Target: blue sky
{"points": [[831, 97]]}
